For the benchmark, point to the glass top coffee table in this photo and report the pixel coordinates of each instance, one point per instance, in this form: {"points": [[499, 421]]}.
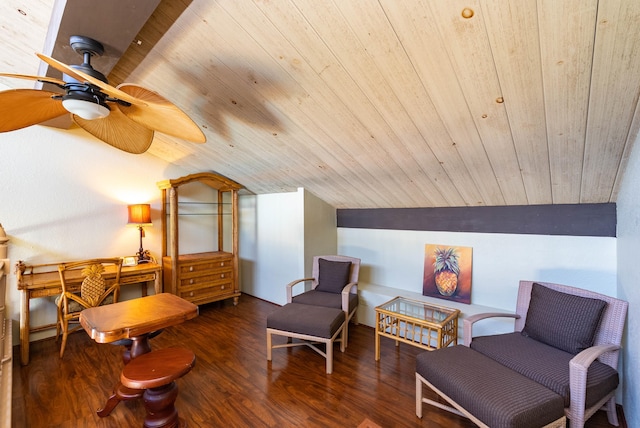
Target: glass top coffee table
{"points": [[417, 323]]}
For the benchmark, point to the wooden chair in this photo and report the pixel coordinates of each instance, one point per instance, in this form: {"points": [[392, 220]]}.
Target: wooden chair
{"points": [[334, 284], [94, 291]]}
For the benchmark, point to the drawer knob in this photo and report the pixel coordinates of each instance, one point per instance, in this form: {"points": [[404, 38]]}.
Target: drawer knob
{"points": [[221, 275], [190, 268], [191, 281], [222, 288], [221, 263], [191, 294]]}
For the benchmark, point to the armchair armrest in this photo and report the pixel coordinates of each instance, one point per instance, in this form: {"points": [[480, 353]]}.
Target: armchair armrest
{"points": [[290, 287], [578, 367], [350, 288], [584, 359], [467, 323]]}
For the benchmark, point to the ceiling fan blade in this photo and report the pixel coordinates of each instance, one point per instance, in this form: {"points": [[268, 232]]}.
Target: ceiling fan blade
{"points": [[20, 108], [118, 131], [160, 114], [83, 77], [43, 79]]}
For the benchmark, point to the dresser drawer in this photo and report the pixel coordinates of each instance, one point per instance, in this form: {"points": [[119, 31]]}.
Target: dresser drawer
{"points": [[215, 290], [206, 278], [205, 266]]}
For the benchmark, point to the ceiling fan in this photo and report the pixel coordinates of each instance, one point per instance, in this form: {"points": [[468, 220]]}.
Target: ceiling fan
{"points": [[125, 116]]}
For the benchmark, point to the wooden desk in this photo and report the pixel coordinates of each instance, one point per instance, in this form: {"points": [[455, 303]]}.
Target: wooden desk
{"points": [[134, 319], [35, 281]]}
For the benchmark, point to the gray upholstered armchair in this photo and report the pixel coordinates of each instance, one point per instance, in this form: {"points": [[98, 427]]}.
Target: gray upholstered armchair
{"points": [[334, 284], [565, 338]]}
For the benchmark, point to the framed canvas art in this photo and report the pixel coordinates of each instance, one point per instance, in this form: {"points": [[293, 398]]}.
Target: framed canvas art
{"points": [[447, 272]]}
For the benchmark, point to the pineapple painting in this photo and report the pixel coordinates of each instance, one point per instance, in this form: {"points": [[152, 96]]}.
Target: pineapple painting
{"points": [[447, 272]]}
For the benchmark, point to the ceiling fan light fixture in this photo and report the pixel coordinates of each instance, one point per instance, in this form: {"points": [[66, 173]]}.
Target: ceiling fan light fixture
{"points": [[86, 109], [85, 104]]}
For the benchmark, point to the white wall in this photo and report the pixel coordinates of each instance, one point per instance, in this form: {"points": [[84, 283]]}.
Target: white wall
{"points": [[279, 235], [628, 206], [320, 233], [271, 248], [64, 197]]}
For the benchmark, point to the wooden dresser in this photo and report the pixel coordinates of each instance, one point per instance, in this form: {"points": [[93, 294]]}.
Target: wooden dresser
{"points": [[208, 276]]}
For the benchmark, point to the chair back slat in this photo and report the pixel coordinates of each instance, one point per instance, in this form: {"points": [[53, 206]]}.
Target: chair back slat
{"points": [[94, 291]]}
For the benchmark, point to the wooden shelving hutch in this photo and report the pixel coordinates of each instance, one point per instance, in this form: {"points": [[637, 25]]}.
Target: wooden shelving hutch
{"points": [[200, 277]]}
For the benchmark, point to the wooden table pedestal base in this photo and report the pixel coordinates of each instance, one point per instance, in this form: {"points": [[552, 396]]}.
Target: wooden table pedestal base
{"points": [[133, 348], [160, 405], [121, 393], [155, 373]]}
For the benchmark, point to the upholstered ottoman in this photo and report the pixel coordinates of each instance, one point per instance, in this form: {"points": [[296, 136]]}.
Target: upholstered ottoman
{"points": [[310, 324], [488, 393]]}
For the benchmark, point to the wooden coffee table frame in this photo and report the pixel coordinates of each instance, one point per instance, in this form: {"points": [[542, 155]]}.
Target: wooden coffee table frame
{"points": [[416, 323]]}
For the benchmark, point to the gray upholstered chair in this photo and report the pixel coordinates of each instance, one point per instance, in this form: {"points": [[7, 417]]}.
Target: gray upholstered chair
{"points": [[566, 339], [334, 284]]}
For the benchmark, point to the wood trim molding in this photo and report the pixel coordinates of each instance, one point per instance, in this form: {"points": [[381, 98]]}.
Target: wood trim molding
{"points": [[569, 219]]}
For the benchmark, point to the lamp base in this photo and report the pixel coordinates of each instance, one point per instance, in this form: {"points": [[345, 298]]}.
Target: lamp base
{"points": [[143, 256]]}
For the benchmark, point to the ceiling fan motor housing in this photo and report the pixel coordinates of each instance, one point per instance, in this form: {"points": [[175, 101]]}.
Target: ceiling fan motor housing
{"points": [[84, 44], [87, 47], [80, 92]]}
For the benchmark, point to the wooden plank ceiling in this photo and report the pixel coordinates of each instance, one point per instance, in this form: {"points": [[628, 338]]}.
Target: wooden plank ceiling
{"points": [[385, 103]]}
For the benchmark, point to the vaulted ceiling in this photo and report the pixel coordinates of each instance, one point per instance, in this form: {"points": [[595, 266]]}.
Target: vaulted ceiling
{"points": [[373, 103]]}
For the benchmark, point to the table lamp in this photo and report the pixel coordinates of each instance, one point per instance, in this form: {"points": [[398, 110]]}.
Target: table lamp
{"points": [[140, 215]]}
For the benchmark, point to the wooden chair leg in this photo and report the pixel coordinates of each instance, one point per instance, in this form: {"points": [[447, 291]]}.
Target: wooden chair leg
{"points": [[58, 326], [65, 333]]}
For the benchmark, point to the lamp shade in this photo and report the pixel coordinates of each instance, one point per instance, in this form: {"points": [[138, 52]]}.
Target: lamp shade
{"points": [[139, 214]]}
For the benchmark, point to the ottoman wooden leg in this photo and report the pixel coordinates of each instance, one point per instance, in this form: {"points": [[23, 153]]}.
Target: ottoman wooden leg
{"points": [[269, 346]]}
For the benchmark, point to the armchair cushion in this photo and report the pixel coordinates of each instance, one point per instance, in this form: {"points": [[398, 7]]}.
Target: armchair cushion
{"points": [[333, 275], [562, 320], [545, 364], [322, 298], [77, 307]]}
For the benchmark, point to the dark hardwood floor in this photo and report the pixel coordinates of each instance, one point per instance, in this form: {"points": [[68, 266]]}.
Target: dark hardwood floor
{"points": [[232, 384]]}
